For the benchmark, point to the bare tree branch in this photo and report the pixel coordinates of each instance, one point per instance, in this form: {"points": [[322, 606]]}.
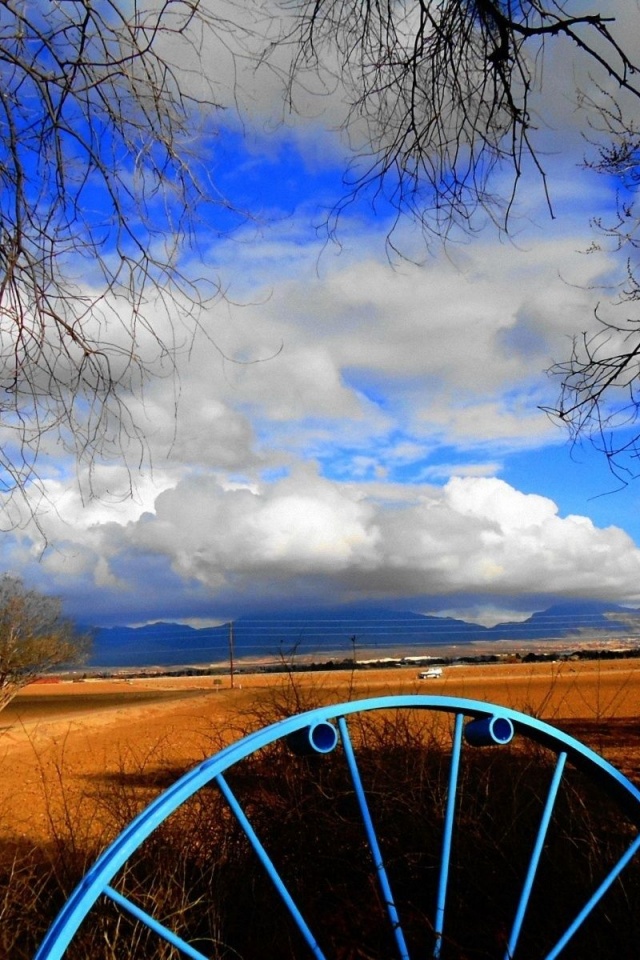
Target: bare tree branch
{"points": [[440, 93], [446, 99], [600, 382], [104, 184]]}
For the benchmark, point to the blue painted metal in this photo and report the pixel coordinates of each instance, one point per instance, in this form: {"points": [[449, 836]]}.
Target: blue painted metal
{"points": [[99, 877], [594, 899], [535, 856], [163, 932], [489, 731], [321, 737], [269, 867], [374, 846], [445, 859]]}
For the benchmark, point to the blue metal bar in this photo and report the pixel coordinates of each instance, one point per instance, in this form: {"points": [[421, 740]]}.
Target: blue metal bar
{"points": [[98, 876], [154, 925], [535, 856], [595, 899], [445, 858], [374, 846], [268, 865]]}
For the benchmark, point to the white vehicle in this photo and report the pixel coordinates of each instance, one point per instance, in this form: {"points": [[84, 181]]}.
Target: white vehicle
{"points": [[432, 673]]}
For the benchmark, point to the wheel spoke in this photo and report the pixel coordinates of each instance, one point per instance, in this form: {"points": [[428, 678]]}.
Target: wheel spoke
{"points": [[313, 731], [447, 836], [269, 867], [154, 924], [594, 899], [535, 856], [374, 846]]}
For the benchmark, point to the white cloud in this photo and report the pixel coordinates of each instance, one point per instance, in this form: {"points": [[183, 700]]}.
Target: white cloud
{"points": [[379, 370], [420, 370], [494, 500], [451, 351], [304, 537]]}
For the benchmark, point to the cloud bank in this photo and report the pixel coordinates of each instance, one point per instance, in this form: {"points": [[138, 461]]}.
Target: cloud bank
{"points": [[208, 549], [338, 427]]}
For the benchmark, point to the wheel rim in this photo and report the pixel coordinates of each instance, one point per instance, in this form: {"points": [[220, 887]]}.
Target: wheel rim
{"points": [[321, 731]]}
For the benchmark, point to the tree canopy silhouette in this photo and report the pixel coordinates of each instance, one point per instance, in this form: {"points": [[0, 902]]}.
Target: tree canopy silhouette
{"points": [[446, 98]]}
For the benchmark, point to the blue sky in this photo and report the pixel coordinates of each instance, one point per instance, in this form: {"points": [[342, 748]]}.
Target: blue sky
{"points": [[351, 426]]}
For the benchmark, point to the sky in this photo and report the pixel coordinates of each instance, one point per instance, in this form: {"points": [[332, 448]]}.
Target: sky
{"points": [[348, 425]]}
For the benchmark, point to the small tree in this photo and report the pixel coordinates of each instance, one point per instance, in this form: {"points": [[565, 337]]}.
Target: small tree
{"points": [[34, 637]]}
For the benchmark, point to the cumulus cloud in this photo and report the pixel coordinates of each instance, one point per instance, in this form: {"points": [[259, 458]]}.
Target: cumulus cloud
{"points": [[354, 362], [304, 538], [421, 372], [426, 370], [447, 352]]}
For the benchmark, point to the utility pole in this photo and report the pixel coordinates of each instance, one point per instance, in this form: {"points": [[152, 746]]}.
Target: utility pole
{"points": [[354, 661], [231, 664]]}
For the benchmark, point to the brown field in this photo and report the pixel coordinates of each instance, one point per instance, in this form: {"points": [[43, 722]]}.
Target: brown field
{"points": [[80, 759], [59, 742]]}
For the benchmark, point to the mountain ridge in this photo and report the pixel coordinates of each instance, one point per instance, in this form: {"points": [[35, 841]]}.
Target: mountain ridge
{"points": [[326, 631]]}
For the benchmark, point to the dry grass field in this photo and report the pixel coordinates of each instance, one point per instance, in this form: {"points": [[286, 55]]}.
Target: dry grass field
{"points": [[60, 742], [79, 759]]}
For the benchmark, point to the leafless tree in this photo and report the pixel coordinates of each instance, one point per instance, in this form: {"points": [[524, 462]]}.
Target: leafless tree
{"points": [[440, 91], [104, 180], [105, 172], [34, 637], [447, 103]]}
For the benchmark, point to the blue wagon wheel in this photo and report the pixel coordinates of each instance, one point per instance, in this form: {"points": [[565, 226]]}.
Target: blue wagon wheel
{"points": [[522, 850]]}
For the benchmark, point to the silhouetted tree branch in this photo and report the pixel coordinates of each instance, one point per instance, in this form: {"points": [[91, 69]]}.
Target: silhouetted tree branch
{"points": [[446, 102], [104, 182], [105, 173], [600, 382], [440, 93]]}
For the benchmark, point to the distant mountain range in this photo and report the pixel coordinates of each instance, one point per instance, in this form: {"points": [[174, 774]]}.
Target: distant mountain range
{"points": [[336, 633]]}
